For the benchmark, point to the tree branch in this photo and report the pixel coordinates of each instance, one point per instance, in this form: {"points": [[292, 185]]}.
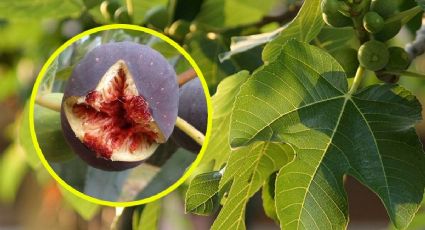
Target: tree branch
{"points": [[186, 76]]}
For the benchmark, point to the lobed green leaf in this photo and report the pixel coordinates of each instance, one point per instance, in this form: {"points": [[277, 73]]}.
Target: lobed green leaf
{"points": [[301, 98], [202, 195], [305, 26]]}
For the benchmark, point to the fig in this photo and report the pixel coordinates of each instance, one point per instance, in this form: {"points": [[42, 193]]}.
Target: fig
{"points": [[373, 22], [399, 59], [373, 55], [193, 109], [390, 30], [119, 104], [331, 14], [384, 8]]}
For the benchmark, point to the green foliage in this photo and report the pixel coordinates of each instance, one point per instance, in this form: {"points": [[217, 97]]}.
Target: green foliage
{"points": [[219, 150], [205, 48], [86, 209], [12, 162], [25, 141], [232, 13], [141, 9], [247, 170], [268, 196], [38, 9], [305, 27], [147, 216], [347, 58], [334, 39], [202, 195], [309, 191], [421, 3], [106, 186], [170, 172], [47, 124]]}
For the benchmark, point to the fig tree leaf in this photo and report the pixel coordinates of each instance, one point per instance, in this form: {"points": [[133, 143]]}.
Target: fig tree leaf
{"points": [[140, 8], [305, 26], [218, 150], [39, 9], [332, 39], [47, 124], [302, 98], [104, 185], [73, 172], [92, 3], [171, 171], [421, 3], [418, 223], [268, 197], [205, 50], [247, 170], [86, 209], [24, 139], [13, 168], [147, 216], [240, 44], [202, 195], [232, 13]]}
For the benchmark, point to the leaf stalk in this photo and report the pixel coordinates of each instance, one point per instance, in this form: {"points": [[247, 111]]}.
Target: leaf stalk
{"points": [[357, 80]]}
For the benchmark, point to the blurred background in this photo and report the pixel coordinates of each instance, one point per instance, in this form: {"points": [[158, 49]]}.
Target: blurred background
{"points": [[31, 30]]}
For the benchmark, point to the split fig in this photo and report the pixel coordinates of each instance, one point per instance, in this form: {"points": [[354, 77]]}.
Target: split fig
{"points": [[119, 104]]}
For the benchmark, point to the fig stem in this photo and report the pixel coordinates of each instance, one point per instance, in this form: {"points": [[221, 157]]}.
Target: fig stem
{"points": [[357, 80], [48, 101], [186, 76], [191, 131]]}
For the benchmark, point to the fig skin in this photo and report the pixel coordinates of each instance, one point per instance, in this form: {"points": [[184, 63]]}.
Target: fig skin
{"points": [[193, 109], [154, 78]]}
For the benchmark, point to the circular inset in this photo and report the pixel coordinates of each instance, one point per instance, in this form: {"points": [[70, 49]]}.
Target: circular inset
{"points": [[107, 104]]}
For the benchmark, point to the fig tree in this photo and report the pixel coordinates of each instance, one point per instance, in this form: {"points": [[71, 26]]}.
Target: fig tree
{"points": [[193, 109], [120, 102]]}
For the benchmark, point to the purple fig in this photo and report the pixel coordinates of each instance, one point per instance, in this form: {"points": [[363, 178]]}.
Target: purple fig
{"points": [[119, 104], [193, 109]]}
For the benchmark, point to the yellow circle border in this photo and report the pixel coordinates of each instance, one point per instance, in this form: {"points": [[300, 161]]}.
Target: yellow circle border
{"points": [[42, 73]]}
